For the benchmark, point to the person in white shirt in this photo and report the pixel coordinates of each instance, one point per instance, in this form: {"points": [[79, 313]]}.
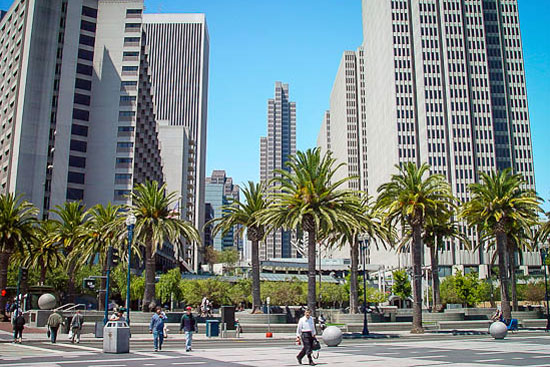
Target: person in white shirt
{"points": [[305, 333]]}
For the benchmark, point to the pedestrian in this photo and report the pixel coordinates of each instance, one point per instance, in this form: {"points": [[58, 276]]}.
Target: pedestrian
{"points": [[156, 327], [7, 309], [118, 316], [76, 326], [188, 325], [305, 333], [18, 322], [54, 321]]}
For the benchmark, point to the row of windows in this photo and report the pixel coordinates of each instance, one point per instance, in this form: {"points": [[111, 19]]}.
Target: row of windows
{"points": [[89, 12], [84, 69], [75, 194], [76, 177], [85, 54], [86, 40], [79, 114], [82, 99], [83, 84], [79, 162], [79, 146], [87, 26]]}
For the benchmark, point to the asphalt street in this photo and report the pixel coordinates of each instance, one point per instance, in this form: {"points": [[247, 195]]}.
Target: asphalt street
{"points": [[430, 350]]}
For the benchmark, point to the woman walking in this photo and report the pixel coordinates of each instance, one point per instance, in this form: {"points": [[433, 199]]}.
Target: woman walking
{"points": [[305, 333], [18, 326]]}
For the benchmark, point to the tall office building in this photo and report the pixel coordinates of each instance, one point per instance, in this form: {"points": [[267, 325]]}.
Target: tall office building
{"points": [[77, 104], [275, 150], [220, 191], [178, 46], [445, 85]]}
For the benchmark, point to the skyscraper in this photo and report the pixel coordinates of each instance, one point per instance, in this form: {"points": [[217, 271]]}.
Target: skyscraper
{"points": [[220, 190], [78, 110], [275, 150], [445, 85], [178, 46]]}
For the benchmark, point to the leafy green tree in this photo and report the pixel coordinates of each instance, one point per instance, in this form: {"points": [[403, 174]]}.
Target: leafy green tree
{"points": [[436, 230], [245, 215], [156, 223], [216, 290], [17, 222], [46, 254], [306, 197], [105, 229], [401, 284], [71, 233], [168, 288], [534, 292], [498, 202], [332, 294], [240, 292], [466, 290], [410, 198]]}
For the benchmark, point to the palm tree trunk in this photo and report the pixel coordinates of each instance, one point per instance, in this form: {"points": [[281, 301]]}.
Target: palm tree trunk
{"points": [[4, 262], [311, 291], [256, 299], [512, 257], [353, 294], [436, 296], [43, 270], [417, 279], [502, 269], [149, 293]]}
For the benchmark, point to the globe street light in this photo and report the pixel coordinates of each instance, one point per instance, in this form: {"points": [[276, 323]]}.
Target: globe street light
{"points": [[543, 254], [130, 222]]}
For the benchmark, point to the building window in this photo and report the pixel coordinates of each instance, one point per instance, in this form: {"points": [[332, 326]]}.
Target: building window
{"points": [[79, 114], [84, 69], [79, 146], [89, 12], [82, 99], [87, 40], [133, 26], [129, 69], [133, 11], [83, 84], [85, 54], [75, 177], [127, 99], [79, 162], [87, 26], [75, 194], [79, 130]]}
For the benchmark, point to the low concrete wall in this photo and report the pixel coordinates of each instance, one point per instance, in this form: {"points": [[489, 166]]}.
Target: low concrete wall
{"points": [[346, 318], [260, 318], [463, 325]]}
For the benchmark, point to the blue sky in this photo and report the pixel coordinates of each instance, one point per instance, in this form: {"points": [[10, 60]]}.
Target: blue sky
{"points": [[254, 43]]}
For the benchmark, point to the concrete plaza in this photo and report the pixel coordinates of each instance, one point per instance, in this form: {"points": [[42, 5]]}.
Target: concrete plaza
{"points": [[520, 349]]}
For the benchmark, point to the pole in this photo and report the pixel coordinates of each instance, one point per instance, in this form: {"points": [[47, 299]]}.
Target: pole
{"points": [[364, 244], [543, 257], [128, 279], [106, 315], [18, 290]]}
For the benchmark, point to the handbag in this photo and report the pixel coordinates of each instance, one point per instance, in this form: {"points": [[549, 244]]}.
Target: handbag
{"points": [[48, 332], [315, 345]]}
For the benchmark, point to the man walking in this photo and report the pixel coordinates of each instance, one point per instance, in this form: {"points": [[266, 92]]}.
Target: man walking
{"points": [[76, 326], [156, 327], [189, 325], [54, 321], [305, 333]]}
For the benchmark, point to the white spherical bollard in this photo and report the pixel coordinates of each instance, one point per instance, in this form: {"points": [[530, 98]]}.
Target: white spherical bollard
{"points": [[498, 330], [332, 336], [47, 301]]}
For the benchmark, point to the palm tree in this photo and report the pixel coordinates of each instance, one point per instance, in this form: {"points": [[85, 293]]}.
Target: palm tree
{"points": [[305, 198], [72, 233], [410, 198], [157, 223], [435, 231], [370, 225], [46, 253], [245, 215], [17, 220], [105, 229], [497, 204]]}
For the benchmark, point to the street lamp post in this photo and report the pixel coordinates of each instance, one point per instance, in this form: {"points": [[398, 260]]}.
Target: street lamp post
{"points": [[130, 222], [543, 254], [364, 245]]}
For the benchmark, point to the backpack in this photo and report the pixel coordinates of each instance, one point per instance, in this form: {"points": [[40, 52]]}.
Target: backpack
{"points": [[20, 321]]}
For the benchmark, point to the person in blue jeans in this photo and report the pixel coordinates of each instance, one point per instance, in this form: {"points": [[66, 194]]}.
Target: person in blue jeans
{"points": [[156, 327], [188, 324]]}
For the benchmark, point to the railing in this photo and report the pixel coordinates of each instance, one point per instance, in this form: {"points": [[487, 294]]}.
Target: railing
{"points": [[69, 307]]}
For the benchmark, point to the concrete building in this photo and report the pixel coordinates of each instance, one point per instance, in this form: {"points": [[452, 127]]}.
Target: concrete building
{"points": [[445, 85], [220, 190], [275, 149], [77, 106]]}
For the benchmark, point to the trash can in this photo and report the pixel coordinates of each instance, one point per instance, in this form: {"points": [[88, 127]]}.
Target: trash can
{"points": [[116, 337], [228, 317], [212, 328], [99, 329]]}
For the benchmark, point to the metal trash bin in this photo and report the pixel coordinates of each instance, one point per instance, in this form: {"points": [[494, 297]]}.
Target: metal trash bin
{"points": [[99, 329], [116, 337], [212, 328]]}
